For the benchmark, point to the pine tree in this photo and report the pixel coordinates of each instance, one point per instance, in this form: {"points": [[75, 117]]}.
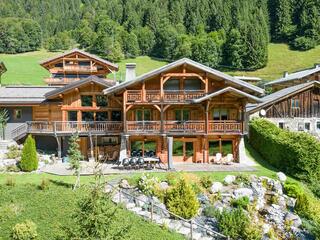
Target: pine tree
{"points": [[234, 49], [29, 159], [75, 157]]}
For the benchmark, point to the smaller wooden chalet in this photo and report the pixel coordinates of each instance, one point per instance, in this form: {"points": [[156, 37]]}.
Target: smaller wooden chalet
{"points": [[295, 108], [288, 80], [76, 65]]}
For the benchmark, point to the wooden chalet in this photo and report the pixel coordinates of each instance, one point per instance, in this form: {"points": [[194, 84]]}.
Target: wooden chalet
{"points": [[201, 108], [295, 108]]}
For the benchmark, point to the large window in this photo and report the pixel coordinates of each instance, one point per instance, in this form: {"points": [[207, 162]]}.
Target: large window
{"points": [[220, 114], [86, 101], [177, 148], [172, 84], [116, 116], [101, 116], [72, 116], [143, 148], [224, 147], [102, 101], [182, 149], [192, 84], [182, 115], [143, 115], [17, 114], [87, 116]]}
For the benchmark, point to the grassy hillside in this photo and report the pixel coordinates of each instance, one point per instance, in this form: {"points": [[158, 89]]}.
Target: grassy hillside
{"points": [[281, 59], [25, 68]]}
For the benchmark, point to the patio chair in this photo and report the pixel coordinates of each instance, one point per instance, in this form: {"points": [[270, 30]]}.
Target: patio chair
{"points": [[114, 156], [229, 159], [133, 162], [218, 158], [125, 163], [140, 162]]}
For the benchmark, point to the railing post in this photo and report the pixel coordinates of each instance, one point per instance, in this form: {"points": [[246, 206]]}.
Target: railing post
{"points": [[120, 195], [191, 230], [151, 215]]}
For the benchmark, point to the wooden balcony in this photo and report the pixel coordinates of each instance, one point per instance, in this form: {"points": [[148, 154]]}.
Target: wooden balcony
{"points": [[68, 127], [151, 96], [60, 81], [74, 68]]}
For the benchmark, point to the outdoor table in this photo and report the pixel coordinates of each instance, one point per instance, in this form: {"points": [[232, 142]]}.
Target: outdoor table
{"points": [[150, 161]]}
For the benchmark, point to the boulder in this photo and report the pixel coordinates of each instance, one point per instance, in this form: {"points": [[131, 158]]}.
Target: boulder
{"points": [[229, 179], [266, 228], [281, 176], [216, 187], [124, 184], [203, 199], [294, 219], [291, 202], [142, 200], [163, 186], [243, 192], [277, 187]]}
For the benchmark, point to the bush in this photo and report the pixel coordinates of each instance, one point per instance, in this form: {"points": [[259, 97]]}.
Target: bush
{"points": [[13, 152], [29, 158], [182, 200], [25, 231], [303, 43], [292, 189], [206, 181], [10, 181], [241, 202], [297, 154], [147, 184], [44, 185], [12, 168]]}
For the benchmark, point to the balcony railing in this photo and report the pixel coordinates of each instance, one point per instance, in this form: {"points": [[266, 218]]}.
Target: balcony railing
{"points": [[60, 80], [168, 96], [144, 126], [74, 68], [73, 127]]}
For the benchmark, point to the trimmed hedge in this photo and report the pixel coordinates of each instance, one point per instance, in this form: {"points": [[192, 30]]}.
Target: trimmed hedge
{"points": [[296, 153]]}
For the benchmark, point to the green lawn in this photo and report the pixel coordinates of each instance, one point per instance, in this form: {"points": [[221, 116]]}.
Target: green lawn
{"points": [[281, 59]]}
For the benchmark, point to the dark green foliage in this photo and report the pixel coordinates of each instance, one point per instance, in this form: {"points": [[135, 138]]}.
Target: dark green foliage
{"points": [[75, 156], [292, 189], [61, 41], [29, 158], [303, 43], [182, 201], [297, 154], [242, 202], [206, 181]]}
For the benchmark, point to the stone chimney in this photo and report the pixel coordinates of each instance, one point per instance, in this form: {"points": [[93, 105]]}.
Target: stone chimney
{"points": [[285, 74], [130, 71]]}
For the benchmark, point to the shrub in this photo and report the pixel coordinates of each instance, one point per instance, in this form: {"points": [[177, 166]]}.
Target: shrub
{"points": [[13, 152], [10, 181], [29, 158], [241, 178], [8, 211], [210, 211], [206, 181], [297, 154], [172, 178], [182, 200], [303, 43], [292, 189], [44, 185], [252, 232], [25, 231], [241, 202], [147, 184], [12, 168]]}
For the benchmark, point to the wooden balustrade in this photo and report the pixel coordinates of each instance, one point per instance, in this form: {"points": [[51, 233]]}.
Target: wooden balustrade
{"points": [[169, 96], [144, 126], [184, 126], [225, 126]]}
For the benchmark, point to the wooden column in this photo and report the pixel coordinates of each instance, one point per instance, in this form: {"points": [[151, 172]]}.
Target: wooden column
{"points": [[143, 93], [207, 117], [206, 84], [161, 118], [161, 88], [125, 111]]}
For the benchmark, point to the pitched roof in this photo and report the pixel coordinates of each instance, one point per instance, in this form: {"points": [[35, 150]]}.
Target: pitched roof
{"points": [[2, 68], [295, 76], [180, 62], [225, 90], [281, 94], [99, 59], [104, 82], [23, 94]]}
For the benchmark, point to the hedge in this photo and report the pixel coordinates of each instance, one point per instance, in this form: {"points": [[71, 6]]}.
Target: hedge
{"points": [[295, 153]]}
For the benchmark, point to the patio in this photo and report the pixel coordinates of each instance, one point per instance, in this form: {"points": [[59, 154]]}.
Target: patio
{"points": [[88, 168]]}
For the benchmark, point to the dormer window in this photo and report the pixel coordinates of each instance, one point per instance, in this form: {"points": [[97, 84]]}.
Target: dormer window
{"points": [[86, 101]]}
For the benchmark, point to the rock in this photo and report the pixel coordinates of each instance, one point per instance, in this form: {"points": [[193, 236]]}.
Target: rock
{"points": [[229, 179], [243, 192], [294, 219], [216, 187], [124, 184], [41, 165], [175, 225], [163, 186], [282, 201], [281, 176], [130, 205], [277, 187], [218, 205], [196, 236], [258, 189], [108, 188], [203, 199], [266, 228], [260, 203], [9, 162], [142, 200], [291, 202], [184, 231]]}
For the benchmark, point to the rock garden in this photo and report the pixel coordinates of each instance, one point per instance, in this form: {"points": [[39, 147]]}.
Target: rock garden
{"points": [[239, 207]]}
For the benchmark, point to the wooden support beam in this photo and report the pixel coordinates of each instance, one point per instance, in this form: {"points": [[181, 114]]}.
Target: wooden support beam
{"points": [[157, 107]]}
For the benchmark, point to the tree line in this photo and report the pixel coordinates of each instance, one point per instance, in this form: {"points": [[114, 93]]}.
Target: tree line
{"points": [[233, 33]]}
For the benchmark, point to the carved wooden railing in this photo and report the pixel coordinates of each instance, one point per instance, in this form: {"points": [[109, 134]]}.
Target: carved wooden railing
{"points": [[225, 126], [60, 80], [72, 127], [169, 96], [144, 126], [184, 126]]}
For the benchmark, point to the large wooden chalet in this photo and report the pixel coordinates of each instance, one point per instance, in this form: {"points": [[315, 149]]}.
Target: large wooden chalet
{"points": [[201, 108]]}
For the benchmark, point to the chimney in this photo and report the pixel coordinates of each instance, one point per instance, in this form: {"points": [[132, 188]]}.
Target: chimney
{"points": [[130, 71], [285, 74]]}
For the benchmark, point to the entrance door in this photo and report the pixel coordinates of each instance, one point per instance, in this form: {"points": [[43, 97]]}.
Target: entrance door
{"points": [[183, 151], [224, 147]]}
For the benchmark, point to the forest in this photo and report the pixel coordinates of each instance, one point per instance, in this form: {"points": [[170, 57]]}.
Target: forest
{"points": [[219, 33]]}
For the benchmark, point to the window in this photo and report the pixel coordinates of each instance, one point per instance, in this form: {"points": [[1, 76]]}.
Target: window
{"points": [[220, 114], [115, 116], [101, 116], [192, 84], [143, 148], [318, 125], [295, 103], [281, 125], [72, 116], [189, 149], [17, 114], [307, 126], [87, 116], [102, 101], [177, 148], [143, 115], [86, 101], [173, 84], [182, 115]]}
